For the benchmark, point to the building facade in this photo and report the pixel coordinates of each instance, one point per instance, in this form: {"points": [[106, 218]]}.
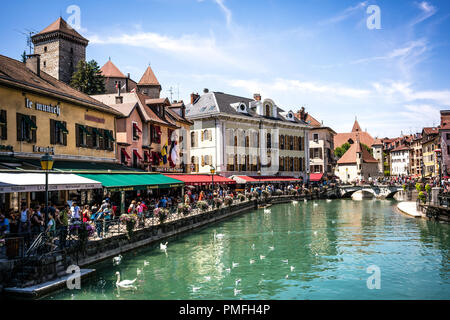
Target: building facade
{"points": [[416, 155], [430, 143], [400, 161], [444, 131], [238, 135], [357, 164], [115, 80], [61, 48], [321, 146], [378, 154]]}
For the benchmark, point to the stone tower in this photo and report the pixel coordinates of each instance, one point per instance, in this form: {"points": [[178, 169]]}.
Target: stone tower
{"points": [[61, 49], [149, 85]]}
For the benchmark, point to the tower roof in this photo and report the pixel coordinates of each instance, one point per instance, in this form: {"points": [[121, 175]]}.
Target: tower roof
{"points": [[61, 26], [149, 78], [356, 127], [109, 70], [350, 156]]}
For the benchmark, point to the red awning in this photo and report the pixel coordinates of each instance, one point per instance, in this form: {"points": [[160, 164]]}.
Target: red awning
{"points": [[265, 179], [136, 127], [126, 154], [137, 154], [201, 180], [315, 177]]}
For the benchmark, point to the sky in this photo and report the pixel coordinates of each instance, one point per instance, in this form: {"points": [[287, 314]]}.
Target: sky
{"points": [[388, 67]]}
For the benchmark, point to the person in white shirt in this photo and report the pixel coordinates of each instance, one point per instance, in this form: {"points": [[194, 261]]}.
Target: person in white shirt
{"points": [[75, 211]]}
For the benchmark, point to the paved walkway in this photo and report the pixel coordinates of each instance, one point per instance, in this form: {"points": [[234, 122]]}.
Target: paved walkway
{"points": [[409, 207]]}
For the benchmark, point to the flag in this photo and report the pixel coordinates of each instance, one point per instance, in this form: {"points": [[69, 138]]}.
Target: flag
{"points": [[173, 157], [124, 87], [164, 153]]}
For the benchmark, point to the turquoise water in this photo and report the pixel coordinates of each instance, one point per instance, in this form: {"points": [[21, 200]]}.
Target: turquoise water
{"points": [[330, 245]]}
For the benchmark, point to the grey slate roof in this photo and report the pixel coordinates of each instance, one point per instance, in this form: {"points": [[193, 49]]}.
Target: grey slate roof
{"points": [[214, 103]]}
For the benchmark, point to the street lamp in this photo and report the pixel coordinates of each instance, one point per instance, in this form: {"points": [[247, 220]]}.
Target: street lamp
{"points": [[213, 172], [46, 165]]}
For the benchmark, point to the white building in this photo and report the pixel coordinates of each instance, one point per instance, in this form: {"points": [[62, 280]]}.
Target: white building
{"points": [[357, 164], [242, 136], [400, 161]]}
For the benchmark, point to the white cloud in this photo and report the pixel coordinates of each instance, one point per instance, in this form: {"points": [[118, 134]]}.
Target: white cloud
{"points": [[427, 9], [226, 11], [344, 14]]}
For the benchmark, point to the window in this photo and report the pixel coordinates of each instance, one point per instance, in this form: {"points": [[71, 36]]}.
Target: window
{"points": [[136, 131], [316, 137], [267, 111], [3, 125], [291, 143], [108, 140], [269, 141], [82, 135], [155, 132], [26, 128], [58, 132], [45, 64], [193, 139], [282, 142]]}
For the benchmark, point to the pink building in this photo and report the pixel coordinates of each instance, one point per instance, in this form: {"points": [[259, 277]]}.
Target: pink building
{"points": [[444, 131]]}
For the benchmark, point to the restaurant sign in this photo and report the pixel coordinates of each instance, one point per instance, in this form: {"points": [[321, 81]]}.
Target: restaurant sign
{"points": [[43, 107], [49, 150]]}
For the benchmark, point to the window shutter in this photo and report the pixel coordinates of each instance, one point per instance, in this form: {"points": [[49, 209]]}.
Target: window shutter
{"points": [[111, 148], [77, 135], [19, 127], [52, 131], [5, 126], [202, 137], [210, 135], [203, 161], [33, 132], [89, 138], [65, 135]]}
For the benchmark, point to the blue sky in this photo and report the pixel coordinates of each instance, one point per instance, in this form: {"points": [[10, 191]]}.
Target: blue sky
{"points": [[314, 53]]}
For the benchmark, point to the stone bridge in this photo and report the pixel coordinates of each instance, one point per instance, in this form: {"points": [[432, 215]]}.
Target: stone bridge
{"points": [[378, 191]]}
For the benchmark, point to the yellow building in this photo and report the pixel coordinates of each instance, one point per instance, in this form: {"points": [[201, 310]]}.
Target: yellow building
{"points": [[430, 143], [40, 114]]}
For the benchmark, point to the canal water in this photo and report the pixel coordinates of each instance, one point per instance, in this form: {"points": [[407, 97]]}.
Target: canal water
{"points": [[313, 250]]}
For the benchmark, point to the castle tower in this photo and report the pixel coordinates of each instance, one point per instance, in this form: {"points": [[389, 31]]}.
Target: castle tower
{"points": [[149, 85], [61, 49]]}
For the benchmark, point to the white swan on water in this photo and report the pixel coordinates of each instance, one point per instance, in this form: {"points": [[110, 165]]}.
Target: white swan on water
{"points": [[146, 263], [117, 260], [252, 261], [285, 261], [271, 248], [262, 257], [235, 265], [163, 246], [125, 284], [253, 246], [267, 210], [294, 202], [292, 269], [236, 292], [328, 200], [218, 236], [138, 271]]}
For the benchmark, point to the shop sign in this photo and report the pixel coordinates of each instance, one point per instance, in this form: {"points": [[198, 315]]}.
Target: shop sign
{"points": [[168, 170], [49, 150], [43, 107], [93, 119]]}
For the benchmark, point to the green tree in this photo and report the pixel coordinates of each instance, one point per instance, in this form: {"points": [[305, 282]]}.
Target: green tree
{"points": [[367, 148], [88, 78], [340, 151]]}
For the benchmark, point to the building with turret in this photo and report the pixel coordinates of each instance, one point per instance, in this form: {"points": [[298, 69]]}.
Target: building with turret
{"points": [[61, 48]]}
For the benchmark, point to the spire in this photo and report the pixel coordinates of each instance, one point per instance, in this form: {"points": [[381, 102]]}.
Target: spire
{"points": [[60, 25], [356, 126], [109, 70], [149, 78]]}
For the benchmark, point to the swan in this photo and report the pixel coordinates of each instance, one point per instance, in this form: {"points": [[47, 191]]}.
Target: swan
{"points": [[294, 202], [228, 270], [285, 261], [195, 289], [287, 276], [163, 246], [252, 261], [267, 210], [271, 248], [125, 284], [235, 265], [138, 271], [292, 269], [316, 204], [146, 263], [236, 292], [208, 278], [117, 260], [238, 281], [218, 236], [328, 200], [315, 233], [305, 201], [253, 246], [262, 257]]}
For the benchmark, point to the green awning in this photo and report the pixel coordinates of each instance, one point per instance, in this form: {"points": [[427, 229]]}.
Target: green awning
{"points": [[85, 130], [62, 127], [30, 122], [109, 135], [134, 182], [97, 132]]}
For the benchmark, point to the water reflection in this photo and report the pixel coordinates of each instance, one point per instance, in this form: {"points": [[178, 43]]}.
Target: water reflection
{"points": [[310, 252]]}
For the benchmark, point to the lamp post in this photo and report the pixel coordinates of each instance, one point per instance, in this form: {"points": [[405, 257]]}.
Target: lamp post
{"points": [[46, 165], [213, 172]]}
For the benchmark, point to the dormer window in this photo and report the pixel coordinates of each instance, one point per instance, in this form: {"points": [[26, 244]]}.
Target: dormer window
{"points": [[267, 111]]}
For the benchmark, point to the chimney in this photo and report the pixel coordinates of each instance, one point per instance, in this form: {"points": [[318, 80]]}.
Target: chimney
{"points": [[34, 63], [128, 76], [257, 97], [206, 90], [119, 100], [194, 97]]}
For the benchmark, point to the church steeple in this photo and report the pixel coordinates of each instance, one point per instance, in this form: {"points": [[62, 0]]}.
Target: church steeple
{"points": [[356, 127]]}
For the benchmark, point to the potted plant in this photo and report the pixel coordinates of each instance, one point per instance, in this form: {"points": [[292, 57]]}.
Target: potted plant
{"points": [[218, 202], [228, 201], [422, 197], [241, 197], [130, 221], [162, 214], [266, 194], [184, 209], [203, 205], [255, 194]]}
